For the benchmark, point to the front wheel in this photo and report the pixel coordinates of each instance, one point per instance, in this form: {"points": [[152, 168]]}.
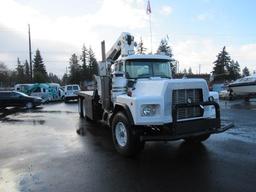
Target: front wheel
{"points": [[126, 141], [197, 139]]}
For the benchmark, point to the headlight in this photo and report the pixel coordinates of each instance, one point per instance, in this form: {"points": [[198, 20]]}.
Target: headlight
{"points": [[150, 109]]}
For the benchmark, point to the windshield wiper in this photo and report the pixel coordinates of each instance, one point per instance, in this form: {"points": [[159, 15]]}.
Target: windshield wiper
{"points": [[144, 76]]}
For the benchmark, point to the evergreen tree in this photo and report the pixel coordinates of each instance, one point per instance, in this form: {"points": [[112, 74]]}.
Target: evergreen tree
{"points": [[65, 79], [174, 66], [3, 67], [39, 70], [85, 69], [27, 71], [92, 63], [54, 78], [75, 69], [165, 48], [221, 65], [20, 72], [234, 70], [141, 49], [245, 72], [190, 71], [8, 78], [3, 75]]}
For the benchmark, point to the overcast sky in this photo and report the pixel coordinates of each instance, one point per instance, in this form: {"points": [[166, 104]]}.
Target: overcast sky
{"points": [[197, 29]]}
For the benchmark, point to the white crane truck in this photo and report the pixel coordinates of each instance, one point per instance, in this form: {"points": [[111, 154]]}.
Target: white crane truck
{"points": [[137, 97]]}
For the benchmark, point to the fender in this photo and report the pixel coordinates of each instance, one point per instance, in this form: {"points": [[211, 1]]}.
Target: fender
{"points": [[123, 107]]}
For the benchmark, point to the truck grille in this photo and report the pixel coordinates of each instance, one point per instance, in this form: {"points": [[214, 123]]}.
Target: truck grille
{"points": [[180, 96]]}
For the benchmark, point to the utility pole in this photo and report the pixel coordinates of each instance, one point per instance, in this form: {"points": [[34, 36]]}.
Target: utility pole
{"points": [[30, 54], [177, 65], [103, 52], [150, 27]]}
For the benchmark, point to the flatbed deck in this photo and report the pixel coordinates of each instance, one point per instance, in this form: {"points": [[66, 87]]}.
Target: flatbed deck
{"points": [[85, 93]]}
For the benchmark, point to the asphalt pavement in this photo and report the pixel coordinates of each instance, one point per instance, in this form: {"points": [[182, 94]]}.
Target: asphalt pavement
{"points": [[40, 150]]}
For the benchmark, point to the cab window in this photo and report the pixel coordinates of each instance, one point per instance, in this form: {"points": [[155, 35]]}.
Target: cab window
{"points": [[117, 67], [75, 88], [69, 88], [37, 90]]}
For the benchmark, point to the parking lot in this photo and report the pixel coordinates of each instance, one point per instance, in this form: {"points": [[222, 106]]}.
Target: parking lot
{"points": [[40, 150]]}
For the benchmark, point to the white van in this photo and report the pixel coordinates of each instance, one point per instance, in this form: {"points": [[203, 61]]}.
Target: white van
{"points": [[71, 92]]}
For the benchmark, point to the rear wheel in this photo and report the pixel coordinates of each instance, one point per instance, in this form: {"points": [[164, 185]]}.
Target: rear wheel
{"points": [[197, 139], [29, 105], [126, 141]]}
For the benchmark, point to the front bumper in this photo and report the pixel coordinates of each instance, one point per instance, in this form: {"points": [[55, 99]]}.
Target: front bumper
{"points": [[189, 128], [37, 103]]}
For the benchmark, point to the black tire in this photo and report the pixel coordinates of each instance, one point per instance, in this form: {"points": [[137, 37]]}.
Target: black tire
{"points": [[29, 105], [132, 145], [90, 120], [197, 139]]}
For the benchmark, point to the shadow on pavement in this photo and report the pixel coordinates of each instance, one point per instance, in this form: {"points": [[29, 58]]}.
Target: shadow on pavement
{"points": [[245, 105], [9, 111]]}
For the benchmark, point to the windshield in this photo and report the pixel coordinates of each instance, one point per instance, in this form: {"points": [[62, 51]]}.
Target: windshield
{"points": [[147, 68]]}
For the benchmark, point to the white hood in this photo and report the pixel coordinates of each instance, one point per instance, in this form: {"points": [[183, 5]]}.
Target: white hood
{"points": [[158, 87]]}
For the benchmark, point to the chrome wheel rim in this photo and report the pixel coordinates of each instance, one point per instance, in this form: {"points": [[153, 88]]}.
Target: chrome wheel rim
{"points": [[121, 134]]}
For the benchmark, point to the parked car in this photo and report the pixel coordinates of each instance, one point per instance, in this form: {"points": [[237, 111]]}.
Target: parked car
{"points": [[18, 99], [71, 92]]}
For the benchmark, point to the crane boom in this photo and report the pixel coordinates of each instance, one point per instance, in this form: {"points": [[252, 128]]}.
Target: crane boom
{"points": [[124, 46]]}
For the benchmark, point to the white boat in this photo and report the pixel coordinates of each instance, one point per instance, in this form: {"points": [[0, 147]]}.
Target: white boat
{"points": [[245, 86]]}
